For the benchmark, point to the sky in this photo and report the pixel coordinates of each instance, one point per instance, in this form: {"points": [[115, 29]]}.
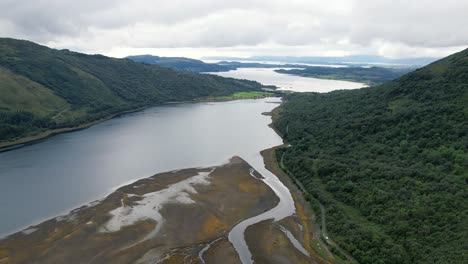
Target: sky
{"points": [[199, 28]]}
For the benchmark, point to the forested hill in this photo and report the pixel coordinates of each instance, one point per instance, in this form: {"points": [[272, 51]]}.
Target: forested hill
{"points": [[181, 63], [43, 88], [371, 75], [389, 163]]}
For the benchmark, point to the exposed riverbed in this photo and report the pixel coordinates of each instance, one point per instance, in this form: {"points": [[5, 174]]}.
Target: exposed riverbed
{"points": [[51, 177], [48, 178], [184, 214]]}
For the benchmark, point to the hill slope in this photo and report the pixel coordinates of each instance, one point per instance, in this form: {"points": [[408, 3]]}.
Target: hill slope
{"points": [[43, 88], [353, 59], [372, 75], [181, 63], [390, 163]]}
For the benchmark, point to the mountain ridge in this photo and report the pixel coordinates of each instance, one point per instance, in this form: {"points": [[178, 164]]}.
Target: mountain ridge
{"points": [[389, 163], [181, 63], [77, 88], [352, 59]]}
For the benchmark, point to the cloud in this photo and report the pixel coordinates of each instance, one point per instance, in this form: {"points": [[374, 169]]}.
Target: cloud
{"points": [[392, 28], [415, 23]]}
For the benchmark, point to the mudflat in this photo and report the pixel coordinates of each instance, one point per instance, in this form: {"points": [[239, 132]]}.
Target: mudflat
{"points": [[174, 217]]}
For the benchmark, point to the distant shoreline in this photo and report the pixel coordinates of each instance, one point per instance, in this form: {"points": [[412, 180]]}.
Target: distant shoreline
{"points": [[306, 215], [18, 143], [5, 146]]}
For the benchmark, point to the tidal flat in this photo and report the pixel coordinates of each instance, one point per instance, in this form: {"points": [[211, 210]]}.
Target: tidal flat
{"points": [[173, 217]]}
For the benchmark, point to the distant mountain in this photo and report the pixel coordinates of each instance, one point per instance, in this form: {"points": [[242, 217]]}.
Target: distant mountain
{"points": [[388, 163], [238, 64], [355, 59], [43, 88], [181, 63]]}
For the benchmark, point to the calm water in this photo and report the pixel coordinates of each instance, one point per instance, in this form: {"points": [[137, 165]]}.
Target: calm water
{"points": [[49, 178], [289, 82]]}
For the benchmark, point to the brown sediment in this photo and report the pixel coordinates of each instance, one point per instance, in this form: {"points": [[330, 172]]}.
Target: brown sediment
{"points": [[309, 233], [274, 246], [231, 196], [187, 227], [221, 251]]}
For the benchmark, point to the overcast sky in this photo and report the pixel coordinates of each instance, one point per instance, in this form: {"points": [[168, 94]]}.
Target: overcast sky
{"points": [[196, 28]]}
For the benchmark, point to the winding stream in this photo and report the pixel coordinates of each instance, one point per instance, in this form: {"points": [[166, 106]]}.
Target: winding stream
{"points": [[286, 205], [51, 177], [283, 209]]}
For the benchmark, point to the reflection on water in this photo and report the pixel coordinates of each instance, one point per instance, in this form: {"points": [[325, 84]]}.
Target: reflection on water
{"points": [[268, 76], [49, 178]]}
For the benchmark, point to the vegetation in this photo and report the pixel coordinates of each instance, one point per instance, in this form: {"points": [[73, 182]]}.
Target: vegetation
{"points": [[247, 95], [238, 64], [241, 95], [343, 60], [370, 75], [181, 63], [43, 88], [389, 163], [187, 64], [251, 94]]}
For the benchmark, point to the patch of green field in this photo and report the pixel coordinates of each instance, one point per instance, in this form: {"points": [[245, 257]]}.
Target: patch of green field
{"points": [[247, 95], [251, 94], [239, 95], [18, 93]]}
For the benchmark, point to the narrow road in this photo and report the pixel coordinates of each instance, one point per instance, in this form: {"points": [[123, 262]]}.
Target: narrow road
{"points": [[316, 234], [323, 213]]}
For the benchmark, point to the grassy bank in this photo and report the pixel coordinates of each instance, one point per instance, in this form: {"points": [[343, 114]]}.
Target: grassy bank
{"points": [[241, 95]]}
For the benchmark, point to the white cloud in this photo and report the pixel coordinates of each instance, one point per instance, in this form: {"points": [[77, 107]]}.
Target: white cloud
{"points": [[212, 27]]}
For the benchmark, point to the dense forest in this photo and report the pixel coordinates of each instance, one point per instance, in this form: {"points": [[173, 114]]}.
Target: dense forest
{"points": [[370, 75], [181, 63], [187, 64], [43, 88], [389, 163]]}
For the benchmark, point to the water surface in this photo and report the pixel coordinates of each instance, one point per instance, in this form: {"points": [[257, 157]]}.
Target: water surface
{"points": [[51, 177], [268, 76]]}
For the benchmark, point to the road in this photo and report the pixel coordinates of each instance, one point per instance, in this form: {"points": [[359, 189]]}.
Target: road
{"points": [[323, 230]]}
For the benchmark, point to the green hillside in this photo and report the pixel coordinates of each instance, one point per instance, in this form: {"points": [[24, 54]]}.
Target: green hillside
{"points": [[389, 163], [43, 88], [181, 63], [372, 75]]}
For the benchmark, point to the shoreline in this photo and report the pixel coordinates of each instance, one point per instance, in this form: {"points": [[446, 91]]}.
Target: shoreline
{"points": [[295, 187], [18, 143], [305, 215], [364, 82], [192, 210], [272, 164], [21, 142]]}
